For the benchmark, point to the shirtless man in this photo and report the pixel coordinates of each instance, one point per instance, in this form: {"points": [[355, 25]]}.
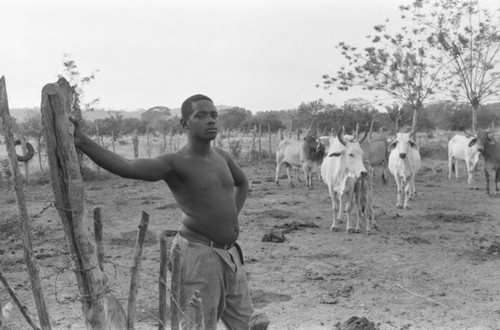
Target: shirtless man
{"points": [[210, 189]]}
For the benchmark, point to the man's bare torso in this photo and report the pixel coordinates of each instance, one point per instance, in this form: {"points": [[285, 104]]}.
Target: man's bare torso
{"points": [[204, 187]]}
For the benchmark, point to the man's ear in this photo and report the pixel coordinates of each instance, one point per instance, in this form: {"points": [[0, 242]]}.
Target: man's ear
{"points": [[184, 123]]}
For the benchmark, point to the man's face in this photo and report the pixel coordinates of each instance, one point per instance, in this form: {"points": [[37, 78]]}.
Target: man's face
{"points": [[203, 120]]}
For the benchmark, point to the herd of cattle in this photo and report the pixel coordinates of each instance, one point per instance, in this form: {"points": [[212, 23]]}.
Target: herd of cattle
{"points": [[345, 163]]}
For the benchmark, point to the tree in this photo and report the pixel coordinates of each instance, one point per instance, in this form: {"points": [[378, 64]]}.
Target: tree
{"points": [[397, 64], [232, 118], [77, 84], [468, 41], [307, 111], [156, 118]]}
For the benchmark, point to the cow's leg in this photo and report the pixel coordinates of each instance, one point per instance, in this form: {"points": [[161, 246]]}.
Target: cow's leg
{"points": [[359, 206], [335, 205], [451, 165], [468, 167], [413, 190], [307, 175], [399, 185], [407, 190], [487, 176], [278, 168], [349, 201], [290, 182]]}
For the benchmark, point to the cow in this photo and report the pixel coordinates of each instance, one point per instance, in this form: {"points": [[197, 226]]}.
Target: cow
{"points": [[306, 154], [490, 150], [363, 197], [377, 153], [458, 149], [404, 163], [340, 169]]}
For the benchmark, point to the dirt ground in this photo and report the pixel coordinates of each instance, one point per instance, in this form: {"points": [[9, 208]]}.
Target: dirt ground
{"points": [[435, 266]]}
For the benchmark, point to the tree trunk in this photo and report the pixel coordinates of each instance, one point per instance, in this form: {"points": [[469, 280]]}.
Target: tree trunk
{"points": [[415, 119], [101, 309], [39, 148], [474, 119]]}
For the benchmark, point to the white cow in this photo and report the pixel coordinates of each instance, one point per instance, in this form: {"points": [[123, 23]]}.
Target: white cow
{"points": [[404, 163], [340, 169], [458, 149]]}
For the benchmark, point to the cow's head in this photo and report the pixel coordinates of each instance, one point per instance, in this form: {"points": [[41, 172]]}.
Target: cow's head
{"points": [[483, 138], [351, 155], [315, 146], [402, 143]]}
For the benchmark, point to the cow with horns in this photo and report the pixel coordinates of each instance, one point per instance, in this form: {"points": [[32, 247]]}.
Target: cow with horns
{"points": [[404, 163], [340, 170]]}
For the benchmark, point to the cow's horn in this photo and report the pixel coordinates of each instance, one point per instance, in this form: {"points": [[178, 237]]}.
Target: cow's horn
{"points": [[364, 137], [340, 137]]}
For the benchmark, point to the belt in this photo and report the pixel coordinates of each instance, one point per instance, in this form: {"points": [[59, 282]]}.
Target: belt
{"points": [[204, 240]]}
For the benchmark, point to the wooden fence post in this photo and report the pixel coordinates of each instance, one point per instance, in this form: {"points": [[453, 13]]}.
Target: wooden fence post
{"points": [[260, 143], [135, 143], [136, 269], [29, 258], [270, 145], [100, 307]]}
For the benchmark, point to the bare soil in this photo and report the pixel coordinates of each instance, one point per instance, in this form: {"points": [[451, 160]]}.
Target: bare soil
{"points": [[435, 266]]}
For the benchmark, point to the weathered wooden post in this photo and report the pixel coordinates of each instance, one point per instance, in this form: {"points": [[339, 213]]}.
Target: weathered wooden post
{"points": [[260, 143], [101, 309], [135, 143], [148, 139], [254, 135], [29, 258], [270, 145], [136, 270]]}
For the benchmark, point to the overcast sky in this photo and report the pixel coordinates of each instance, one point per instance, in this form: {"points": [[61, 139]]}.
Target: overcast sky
{"points": [[259, 55]]}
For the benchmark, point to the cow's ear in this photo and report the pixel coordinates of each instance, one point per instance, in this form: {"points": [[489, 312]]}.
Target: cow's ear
{"points": [[335, 154], [392, 145], [413, 145], [472, 142]]}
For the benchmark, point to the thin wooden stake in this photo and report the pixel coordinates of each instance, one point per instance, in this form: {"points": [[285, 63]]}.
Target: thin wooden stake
{"points": [[136, 270], [29, 258], [22, 307]]}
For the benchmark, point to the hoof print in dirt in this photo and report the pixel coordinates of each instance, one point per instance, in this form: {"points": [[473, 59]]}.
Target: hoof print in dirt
{"points": [[273, 237], [356, 323]]}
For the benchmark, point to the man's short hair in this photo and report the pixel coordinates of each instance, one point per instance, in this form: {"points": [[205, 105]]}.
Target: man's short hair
{"points": [[187, 105]]}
